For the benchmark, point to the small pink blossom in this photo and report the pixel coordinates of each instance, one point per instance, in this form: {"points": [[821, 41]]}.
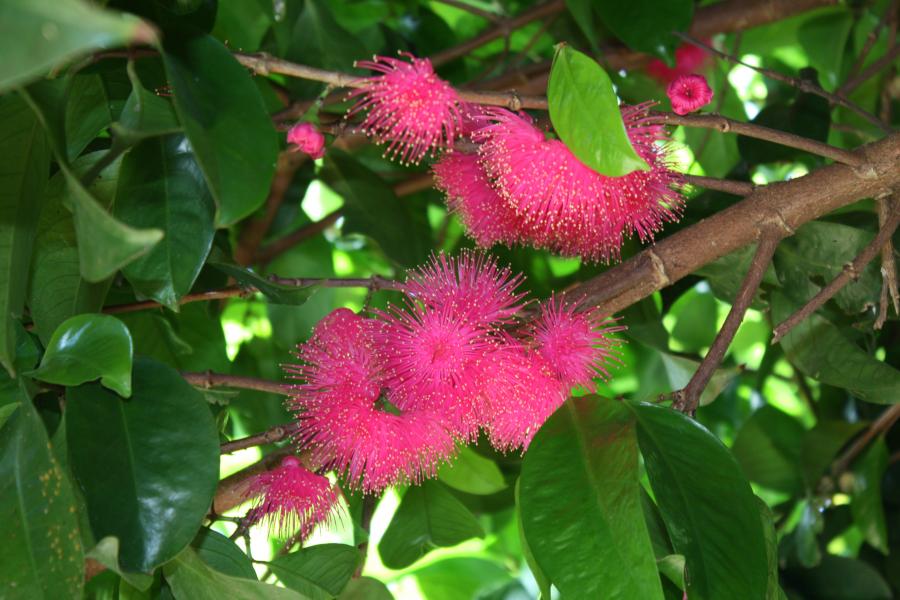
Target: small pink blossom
{"points": [[688, 59], [575, 343], [689, 93], [307, 139], [408, 106], [291, 499]]}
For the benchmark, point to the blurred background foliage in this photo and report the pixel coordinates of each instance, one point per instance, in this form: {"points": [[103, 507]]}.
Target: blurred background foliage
{"points": [[141, 177]]}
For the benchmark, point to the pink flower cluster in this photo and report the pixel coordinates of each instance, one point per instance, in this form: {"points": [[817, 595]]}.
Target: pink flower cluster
{"points": [[519, 187], [385, 400], [304, 137]]}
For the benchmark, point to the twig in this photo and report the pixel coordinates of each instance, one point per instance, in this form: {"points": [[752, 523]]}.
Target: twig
{"points": [[208, 380], [726, 125], [232, 490], [803, 85], [879, 426], [269, 436], [365, 522], [688, 398], [470, 8], [872, 70], [851, 271], [889, 289], [729, 186], [375, 282], [871, 38], [270, 252]]}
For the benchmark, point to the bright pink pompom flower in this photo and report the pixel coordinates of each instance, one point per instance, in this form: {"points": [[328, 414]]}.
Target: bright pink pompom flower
{"points": [[689, 93], [341, 419], [567, 207], [291, 499], [575, 343], [408, 106], [307, 139]]}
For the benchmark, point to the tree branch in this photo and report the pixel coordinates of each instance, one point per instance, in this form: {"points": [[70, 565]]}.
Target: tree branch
{"points": [[889, 291], [872, 70], [803, 85], [208, 380], [729, 186], [852, 270], [884, 422], [786, 204], [686, 400], [269, 436]]}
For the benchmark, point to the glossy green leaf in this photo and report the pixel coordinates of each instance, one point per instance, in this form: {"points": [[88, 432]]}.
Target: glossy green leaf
{"points": [[768, 448], [428, 517], [472, 473], [226, 122], [585, 114], [144, 114], [773, 590], [223, 555], [105, 244], [867, 506], [539, 577], [56, 289], [580, 501], [41, 555], [648, 25], [365, 588], [318, 572], [706, 504], [41, 34], [148, 465], [106, 552], [88, 347], [87, 112], [373, 209], [820, 350], [277, 293], [192, 579], [161, 187], [24, 169]]}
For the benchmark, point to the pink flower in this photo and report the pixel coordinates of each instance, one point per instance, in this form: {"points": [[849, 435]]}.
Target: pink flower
{"points": [[576, 344], [487, 217], [291, 499], [471, 286], [409, 106], [307, 139], [688, 59], [519, 393], [567, 207], [688, 93]]}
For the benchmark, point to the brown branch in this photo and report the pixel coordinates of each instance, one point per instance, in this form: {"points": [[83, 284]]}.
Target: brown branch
{"points": [[872, 70], [804, 85], [228, 292], [851, 271], [208, 380], [269, 436], [788, 204], [871, 38], [688, 399], [883, 423], [232, 490], [729, 186], [760, 132], [889, 288]]}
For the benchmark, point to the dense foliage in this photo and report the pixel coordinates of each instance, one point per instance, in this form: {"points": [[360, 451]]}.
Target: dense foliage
{"points": [[165, 250]]}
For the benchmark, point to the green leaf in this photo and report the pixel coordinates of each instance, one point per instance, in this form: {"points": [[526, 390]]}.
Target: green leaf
{"points": [[223, 555], [88, 347], [160, 187], [647, 25], [41, 555], [318, 572], [41, 34], [87, 112], [428, 517], [372, 208], [808, 116], [580, 502], [773, 591], [585, 114], [105, 244], [583, 15], [56, 290], [472, 473], [840, 578], [540, 577], [24, 169], [365, 588], [144, 114], [191, 579], [820, 350], [243, 24], [867, 505], [461, 577], [695, 319], [277, 293], [824, 37], [148, 465], [821, 444], [768, 448], [706, 504], [226, 122], [106, 552]]}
